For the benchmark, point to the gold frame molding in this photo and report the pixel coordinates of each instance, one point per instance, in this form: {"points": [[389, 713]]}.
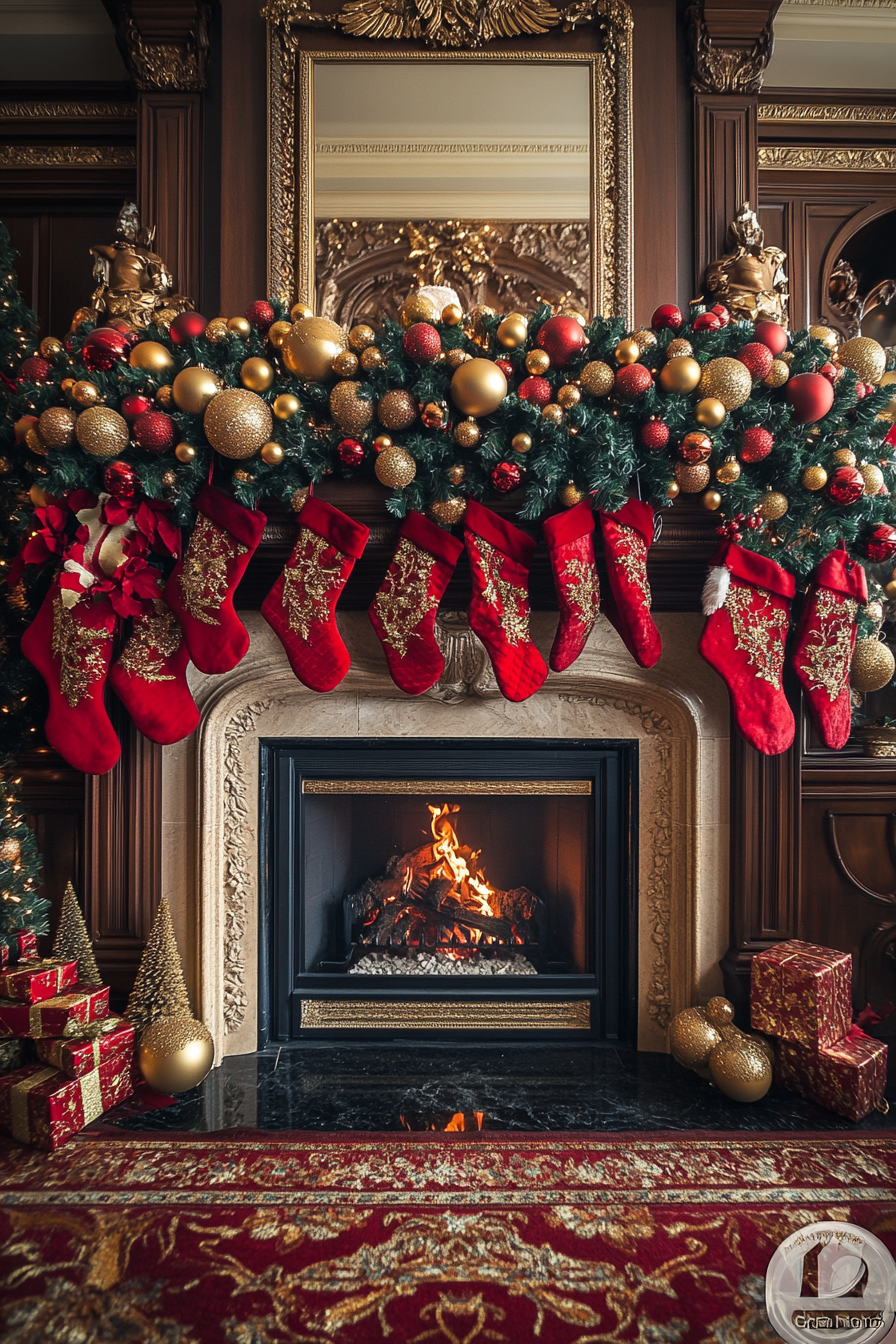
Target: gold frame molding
{"points": [[863, 114], [825, 159], [500, 1015], [291, 137], [499, 788]]}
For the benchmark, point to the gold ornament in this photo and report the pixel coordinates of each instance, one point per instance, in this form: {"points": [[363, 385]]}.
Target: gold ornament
{"points": [[278, 332], [872, 665], [571, 495], [454, 358], [695, 447], [728, 471], [57, 427], [478, 387], [9, 850], [814, 478], [826, 335], [552, 413], [175, 1055], [727, 379], [740, 1069], [85, 393], [644, 337], [381, 443], [395, 468], [299, 311], [679, 349], [418, 308], [216, 331], [396, 410], [478, 318], [538, 362], [466, 434], [681, 374], [243, 477], [310, 348], [345, 365], [286, 406], [512, 332], [778, 374], [35, 443], [50, 348], [692, 478], [712, 500], [66, 386], [627, 351], [151, 357], [256, 374], [452, 316], [673, 490], [360, 337], [372, 358], [889, 411], [241, 327], [272, 454], [237, 422], [890, 590], [521, 443], [597, 378], [102, 432], [185, 452], [448, 511], [351, 413], [165, 397], [692, 1038], [72, 941], [873, 478], [843, 457], [865, 357], [456, 473], [569, 395], [709, 412], [772, 505], [39, 499], [719, 1011], [193, 389], [299, 498]]}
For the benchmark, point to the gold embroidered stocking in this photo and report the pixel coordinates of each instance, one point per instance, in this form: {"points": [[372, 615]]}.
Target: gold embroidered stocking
{"points": [[570, 538], [825, 641], [628, 536], [150, 677]]}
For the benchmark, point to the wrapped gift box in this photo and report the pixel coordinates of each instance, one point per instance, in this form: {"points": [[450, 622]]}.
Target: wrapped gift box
{"points": [[66, 1015], [848, 1077], [14, 1055], [802, 993], [40, 1106], [4, 956], [25, 944], [112, 1038], [34, 981]]}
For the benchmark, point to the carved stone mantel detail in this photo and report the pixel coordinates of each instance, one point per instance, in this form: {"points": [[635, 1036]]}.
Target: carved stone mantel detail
{"points": [[468, 669], [730, 56]]}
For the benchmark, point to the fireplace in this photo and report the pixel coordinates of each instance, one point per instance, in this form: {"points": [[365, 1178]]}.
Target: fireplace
{"points": [[433, 886]]}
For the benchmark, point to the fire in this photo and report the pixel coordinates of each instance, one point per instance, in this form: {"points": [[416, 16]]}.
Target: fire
{"points": [[456, 1125], [472, 889]]}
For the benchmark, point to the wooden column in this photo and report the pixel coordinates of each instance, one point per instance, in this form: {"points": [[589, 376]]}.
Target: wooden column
{"points": [[169, 180]]}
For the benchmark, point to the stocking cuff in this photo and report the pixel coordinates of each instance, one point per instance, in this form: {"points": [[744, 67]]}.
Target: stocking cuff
{"points": [[569, 526], [752, 568], [432, 538], [244, 525], [635, 513], [498, 532], [845, 576], [337, 528]]}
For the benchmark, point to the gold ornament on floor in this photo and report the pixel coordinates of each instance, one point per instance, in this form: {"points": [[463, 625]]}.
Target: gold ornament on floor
{"points": [[538, 362], [571, 495], [772, 505], [310, 348], [681, 374], [56, 427], [360, 337], [741, 1070], [396, 410], [692, 1038], [345, 365], [102, 432], [286, 406], [679, 349], [216, 331], [72, 941], [395, 468], [175, 1054], [277, 333], [873, 665], [709, 412], [193, 389], [185, 452], [827, 336], [418, 308], [256, 374], [152, 357], [351, 412], [843, 457], [569, 395], [627, 351], [597, 378], [467, 434], [728, 380], [85, 393], [237, 422], [705, 1040], [521, 443], [814, 478], [873, 478], [478, 387], [778, 374], [728, 471], [512, 331], [272, 454], [448, 511], [719, 1011], [691, 478], [240, 326], [866, 358]]}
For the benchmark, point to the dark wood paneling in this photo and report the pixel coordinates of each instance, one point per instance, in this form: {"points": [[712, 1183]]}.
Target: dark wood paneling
{"points": [[170, 178], [52, 795], [725, 129]]}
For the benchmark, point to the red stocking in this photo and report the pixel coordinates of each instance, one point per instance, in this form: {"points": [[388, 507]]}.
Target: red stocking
{"points": [[150, 677], [500, 557], [628, 536], [570, 538], [201, 587], [825, 641], [403, 613], [301, 605], [746, 600]]}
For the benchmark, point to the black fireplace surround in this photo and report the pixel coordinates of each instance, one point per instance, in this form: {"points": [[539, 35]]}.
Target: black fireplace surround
{"points": [[558, 818]]}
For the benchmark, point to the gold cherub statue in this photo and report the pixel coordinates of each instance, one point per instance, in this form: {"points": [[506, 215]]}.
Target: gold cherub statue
{"points": [[750, 280], [134, 285]]}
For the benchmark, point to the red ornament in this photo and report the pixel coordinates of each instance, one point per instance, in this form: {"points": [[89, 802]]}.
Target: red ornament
{"points": [[422, 343], [103, 348], [506, 368], [506, 477], [120, 480], [891, 436], [34, 370], [186, 327], [135, 404], [845, 485], [770, 334], [721, 313], [695, 448], [880, 543], [351, 453], [832, 373], [862, 389], [536, 390], [811, 397], [667, 315], [708, 322], [755, 444], [632, 381], [154, 432], [260, 314], [757, 358], [654, 436], [563, 338]]}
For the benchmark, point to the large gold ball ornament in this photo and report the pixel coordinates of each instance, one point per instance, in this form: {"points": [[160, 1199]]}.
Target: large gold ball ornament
{"points": [[286, 406], [597, 378], [396, 410], [452, 316], [772, 505], [278, 332], [272, 454], [679, 349], [692, 478], [740, 1069], [628, 351], [310, 348], [240, 326], [56, 427], [692, 1038], [360, 337], [85, 393], [711, 500], [351, 412], [448, 511], [814, 478], [512, 331], [185, 452], [102, 432], [193, 389], [237, 422], [873, 665], [478, 387], [395, 468], [728, 471], [175, 1054], [728, 380], [372, 358], [778, 374], [709, 412], [216, 331], [538, 362], [569, 395], [418, 308], [871, 475], [345, 365], [571, 495], [521, 443], [866, 358], [719, 1011], [50, 347], [256, 374], [681, 374], [152, 357], [826, 335], [467, 434], [843, 457]]}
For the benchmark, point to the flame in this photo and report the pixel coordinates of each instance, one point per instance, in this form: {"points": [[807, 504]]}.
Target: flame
{"points": [[472, 888]]}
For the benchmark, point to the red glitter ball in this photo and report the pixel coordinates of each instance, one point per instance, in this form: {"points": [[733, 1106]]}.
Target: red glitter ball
{"points": [[506, 477], [135, 404], [186, 327], [34, 370], [537, 390], [632, 380], [120, 480], [755, 444], [845, 485], [721, 313], [351, 453], [506, 368], [103, 348], [654, 436], [757, 358], [154, 432], [563, 338], [708, 322], [260, 314], [422, 343], [667, 315], [880, 543], [772, 335]]}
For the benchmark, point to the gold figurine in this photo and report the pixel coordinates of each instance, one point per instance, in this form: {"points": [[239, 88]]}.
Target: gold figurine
{"points": [[134, 284], [750, 280]]}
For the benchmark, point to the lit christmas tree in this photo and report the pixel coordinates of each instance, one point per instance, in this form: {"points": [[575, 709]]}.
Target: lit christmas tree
{"points": [[18, 324], [20, 906]]}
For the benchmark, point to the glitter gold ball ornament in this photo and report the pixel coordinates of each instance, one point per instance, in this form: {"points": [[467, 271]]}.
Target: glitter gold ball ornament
{"points": [[351, 412], [175, 1054], [644, 337], [709, 412], [521, 443], [728, 471], [50, 347], [681, 374], [418, 308], [310, 348], [865, 357], [679, 349], [237, 422], [85, 393], [165, 397], [597, 378], [456, 473], [571, 495], [185, 452], [256, 374], [360, 337], [299, 499], [272, 454], [692, 479], [478, 387], [395, 468], [552, 413], [466, 434], [216, 331], [102, 432], [299, 311], [872, 476], [780, 372], [826, 335], [193, 389], [569, 396], [843, 457], [889, 411], [286, 406], [772, 505], [372, 358], [448, 511], [454, 358], [627, 351], [512, 331], [240, 326], [396, 410], [740, 1069], [345, 365], [814, 478], [695, 447], [452, 314], [277, 333], [719, 1011], [9, 850], [152, 357], [692, 1038], [711, 500], [728, 380], [538, 362], [57, 427], [35, 443], [873, 665]]}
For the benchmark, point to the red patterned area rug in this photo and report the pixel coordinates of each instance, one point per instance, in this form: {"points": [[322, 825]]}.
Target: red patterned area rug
{"points": [[493, 1239]]}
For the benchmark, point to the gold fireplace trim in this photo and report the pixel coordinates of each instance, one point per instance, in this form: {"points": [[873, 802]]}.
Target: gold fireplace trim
{"points": [[365, 1014], [538, 788]]}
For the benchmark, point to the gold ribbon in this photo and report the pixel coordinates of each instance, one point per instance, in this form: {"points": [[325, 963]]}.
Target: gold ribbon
{"points": [[91, 1096], [18, 1101]]}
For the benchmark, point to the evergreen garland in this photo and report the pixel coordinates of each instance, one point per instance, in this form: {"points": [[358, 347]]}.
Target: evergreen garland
{"points": [[21, 909]]}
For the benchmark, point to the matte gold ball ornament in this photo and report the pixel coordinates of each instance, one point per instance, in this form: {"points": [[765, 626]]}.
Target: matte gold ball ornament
{"points": [[512, 331], [772, 505], [310, 348], [240, 326], [102, 432], [448, 511], [452, 315], [478, 387], [286, 406], [185, 452], [237, 423], [271, 454], [193, 389], [56, 427], [692, 1038], [175, 1054], [680, 375], [814, 478], [351, 412], [628, 351], [873, 665], [673, 490], [740, 1069], [256, 374], [395, 468], [866, 358], [709, 412], [728, 381], [152, 357], [597, 378], [521, 443], [711, 500]]}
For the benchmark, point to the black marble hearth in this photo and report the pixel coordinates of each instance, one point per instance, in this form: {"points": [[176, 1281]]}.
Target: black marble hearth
{"points": [[371, 1087]]}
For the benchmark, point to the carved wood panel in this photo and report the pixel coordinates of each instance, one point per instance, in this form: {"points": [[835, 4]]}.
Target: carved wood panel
{"points": [[725, 129], [170, 181]]}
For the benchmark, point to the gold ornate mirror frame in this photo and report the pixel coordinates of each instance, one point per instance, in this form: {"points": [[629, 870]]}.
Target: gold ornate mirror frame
{"points": [[447, 30]]}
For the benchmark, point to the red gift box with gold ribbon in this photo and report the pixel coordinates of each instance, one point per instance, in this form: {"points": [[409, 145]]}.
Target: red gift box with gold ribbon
{"points": [[112, 1038], [66, 1015], [34, 981], [41, 1107], [848, 1077], [802, 993]]}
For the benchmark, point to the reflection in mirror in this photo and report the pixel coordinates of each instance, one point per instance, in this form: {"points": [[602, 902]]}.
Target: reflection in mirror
{"points": [[499, 209]]}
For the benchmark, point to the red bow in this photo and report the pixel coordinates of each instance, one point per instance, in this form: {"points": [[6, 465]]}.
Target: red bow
{"points": [[868, 1017]]}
